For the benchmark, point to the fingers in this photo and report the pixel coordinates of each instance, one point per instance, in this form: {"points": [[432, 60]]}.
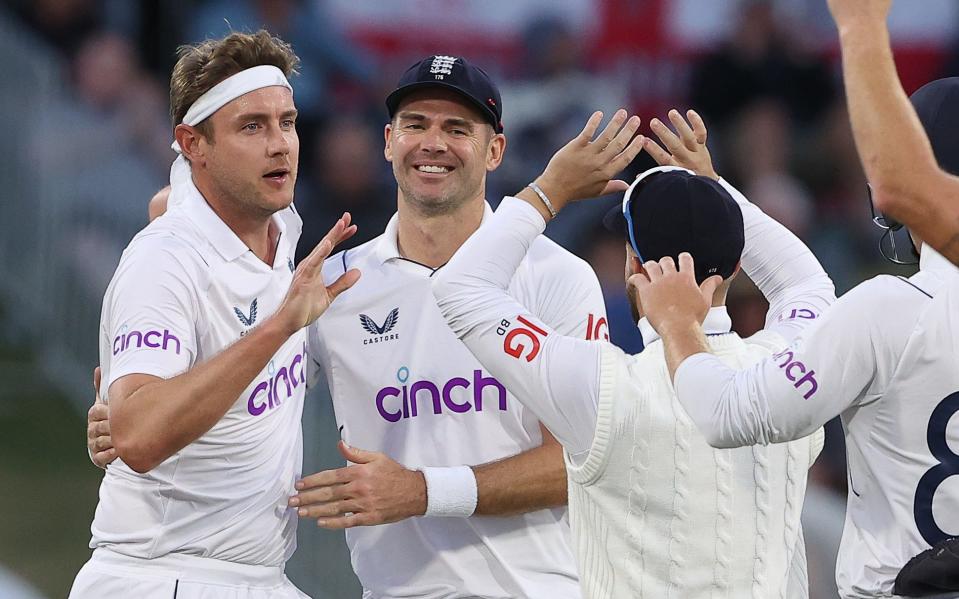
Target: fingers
{"points": [[653, 270], [102, 443], [639, 280], [709, 286], [612, 128], [684, 130], [615, 186], [623, 135], [699, 126], [329, 509], [355, 454], [318, 496], [96, 381], [661, 156], [348, 231], [343, 282], [667, 264], [586, 135], [348, 521], [103, 458], [99, 429], [686, 263], [325, 478], [629, 154], [673, 144]]}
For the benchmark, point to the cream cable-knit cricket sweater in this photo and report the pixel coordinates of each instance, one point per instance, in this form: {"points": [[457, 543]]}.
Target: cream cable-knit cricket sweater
{"points": [[657, 513]]}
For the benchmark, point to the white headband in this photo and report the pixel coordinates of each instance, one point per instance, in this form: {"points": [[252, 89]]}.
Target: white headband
{"points": [[230, 89]]}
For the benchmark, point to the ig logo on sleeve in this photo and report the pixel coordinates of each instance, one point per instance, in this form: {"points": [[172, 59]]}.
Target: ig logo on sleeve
{"points": [[519, 339]]}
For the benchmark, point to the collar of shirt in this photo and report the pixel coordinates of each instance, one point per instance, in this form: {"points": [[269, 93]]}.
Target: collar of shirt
{"points": [[717, 323], [221, 236], [932, 261], [387, 246]]}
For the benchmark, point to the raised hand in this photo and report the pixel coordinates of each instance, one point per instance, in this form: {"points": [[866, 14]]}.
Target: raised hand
{"points": [[670, 298], [585, 167], [685, 148], [373, 490], [308, 296]]}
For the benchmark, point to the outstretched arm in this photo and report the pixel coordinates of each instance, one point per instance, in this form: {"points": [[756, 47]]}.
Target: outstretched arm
{"points": [[831, 366], [907, 182]]}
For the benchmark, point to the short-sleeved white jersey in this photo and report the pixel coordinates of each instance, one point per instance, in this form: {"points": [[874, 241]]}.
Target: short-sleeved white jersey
{"points": [[403, 384], [185, 289], [885, 358]]}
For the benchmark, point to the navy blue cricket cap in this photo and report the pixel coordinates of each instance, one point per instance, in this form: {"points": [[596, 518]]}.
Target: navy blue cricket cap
{"points": [[670, 210], [937, 104], [456, 74]]}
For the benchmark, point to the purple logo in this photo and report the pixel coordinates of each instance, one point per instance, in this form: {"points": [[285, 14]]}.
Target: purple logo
{"points": [[397, 403], [279, 385], [803, 313], [797, 372], [153, 339]]}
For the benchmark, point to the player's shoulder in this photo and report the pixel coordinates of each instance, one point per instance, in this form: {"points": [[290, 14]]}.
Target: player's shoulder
{"points": [[887, 295], [547, 259], [168, 245]]}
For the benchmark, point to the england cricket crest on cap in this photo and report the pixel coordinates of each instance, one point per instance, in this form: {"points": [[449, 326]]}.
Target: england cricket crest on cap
{"points": [[442, 66]]}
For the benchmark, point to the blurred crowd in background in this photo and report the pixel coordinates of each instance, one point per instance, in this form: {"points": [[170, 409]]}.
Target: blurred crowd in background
{"points": [[764, 75]]}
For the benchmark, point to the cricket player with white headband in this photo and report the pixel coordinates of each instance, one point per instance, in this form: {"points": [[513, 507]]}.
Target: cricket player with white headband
{"points": [[655, 512], [202, 346]]}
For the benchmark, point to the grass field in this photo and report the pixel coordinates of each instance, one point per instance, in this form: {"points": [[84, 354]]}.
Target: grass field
{"points": [[48, 488]]}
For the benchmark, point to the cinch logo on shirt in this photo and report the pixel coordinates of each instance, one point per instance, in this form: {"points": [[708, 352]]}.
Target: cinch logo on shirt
{"points": [[797, 372], [397, 403], [153, 339], [267, 394], [804, 313]]}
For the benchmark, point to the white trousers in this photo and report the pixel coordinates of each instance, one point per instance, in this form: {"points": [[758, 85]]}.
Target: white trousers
{"points": [[110, 575]]}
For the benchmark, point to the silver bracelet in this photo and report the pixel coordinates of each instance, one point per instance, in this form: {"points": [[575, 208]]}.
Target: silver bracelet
{"points": [[549, 205]]}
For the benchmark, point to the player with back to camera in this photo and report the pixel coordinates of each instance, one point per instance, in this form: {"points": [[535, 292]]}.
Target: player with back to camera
{"points": [[656, 512], [204, 310]]}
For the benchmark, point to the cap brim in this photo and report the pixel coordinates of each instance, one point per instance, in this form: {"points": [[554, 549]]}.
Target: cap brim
{"points": [[614, 220], [396, 96]]}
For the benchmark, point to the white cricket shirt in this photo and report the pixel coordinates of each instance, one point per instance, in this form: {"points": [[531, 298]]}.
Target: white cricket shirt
{"points": [[185, 289], [885, 358], [655, 511], [403, 384]]}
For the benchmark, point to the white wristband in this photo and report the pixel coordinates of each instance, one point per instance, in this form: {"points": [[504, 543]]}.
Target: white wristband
{"points": [[450, 492]]}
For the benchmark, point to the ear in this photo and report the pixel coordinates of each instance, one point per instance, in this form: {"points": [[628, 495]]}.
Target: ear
{"points": [[190, 139], [495, 151], [388, 142]]}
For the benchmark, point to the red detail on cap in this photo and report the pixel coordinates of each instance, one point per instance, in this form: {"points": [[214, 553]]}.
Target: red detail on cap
{"points": [[491, 101]]}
